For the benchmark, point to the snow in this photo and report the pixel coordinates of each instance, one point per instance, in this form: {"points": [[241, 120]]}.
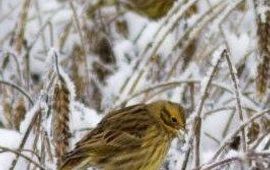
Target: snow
{"points": [[262, 11], [158, 37], [87, 118], [9, 139]]}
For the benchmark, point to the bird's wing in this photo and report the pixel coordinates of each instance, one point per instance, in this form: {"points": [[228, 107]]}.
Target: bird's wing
{"points": [[103, 146], [119, 129]]}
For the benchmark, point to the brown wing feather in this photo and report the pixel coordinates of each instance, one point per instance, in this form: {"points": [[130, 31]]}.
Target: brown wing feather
{"points": [[111, 136]]}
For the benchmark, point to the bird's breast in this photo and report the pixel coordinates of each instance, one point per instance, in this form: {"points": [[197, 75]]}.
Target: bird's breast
{"points": [[148, 156]]}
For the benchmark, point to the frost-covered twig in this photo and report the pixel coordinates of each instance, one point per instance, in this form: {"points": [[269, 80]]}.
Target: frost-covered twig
{"points": [[7, 14], [15, 57], [78, 26], [194, 31], [162, 34], [187, 154], [57, 64], [217, 11], [229, 137], [239, 109], [23, 156], [220, 163], [165, 22], [226, 129], [40, 21], [186, 158], [197, 120], [259, 140], [212, 137], [172, 23], [241, 157], [83, 43], [25, 137], [35, 114], [40, 32], [19, 89], [173, 84]]}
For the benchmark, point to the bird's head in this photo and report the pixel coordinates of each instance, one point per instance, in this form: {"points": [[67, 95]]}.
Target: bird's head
{"points": [[170, 115]]}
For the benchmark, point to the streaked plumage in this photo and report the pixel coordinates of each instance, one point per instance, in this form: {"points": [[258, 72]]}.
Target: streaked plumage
{"points": [[133, 138]]}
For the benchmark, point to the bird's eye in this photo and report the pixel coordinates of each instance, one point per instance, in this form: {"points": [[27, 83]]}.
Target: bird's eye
{"points": [[174, 120]]}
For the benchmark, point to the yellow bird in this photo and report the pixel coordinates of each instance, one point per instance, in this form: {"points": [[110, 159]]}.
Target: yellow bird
{"points": [[133, 138], [154, 9]]}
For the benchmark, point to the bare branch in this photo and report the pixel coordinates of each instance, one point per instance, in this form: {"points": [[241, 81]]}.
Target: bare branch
{"points": [[239, 108]]}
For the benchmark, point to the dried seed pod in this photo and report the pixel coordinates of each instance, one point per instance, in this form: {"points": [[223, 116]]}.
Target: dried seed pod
{"points": [[235, 143], [78, 73], [101, 72], [122, 27], [19, 113], [100, 45], [60, 124], [263, 33], [266, 124], [188, 53], [253, 132], [242, 6], [191, 11], [262, 76], [7, 108], [102, 67]]}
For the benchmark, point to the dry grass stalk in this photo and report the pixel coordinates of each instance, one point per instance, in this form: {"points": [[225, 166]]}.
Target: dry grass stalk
{"points": [[232, 135], [239, 107], [263, 33], [19, 113], [78, 74], [19, 36], [25, 137], [61, 131], [64, 36]]}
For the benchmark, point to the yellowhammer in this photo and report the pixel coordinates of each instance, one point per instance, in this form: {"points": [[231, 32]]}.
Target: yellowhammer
{"points": [[153, 9], [133, 138]]}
